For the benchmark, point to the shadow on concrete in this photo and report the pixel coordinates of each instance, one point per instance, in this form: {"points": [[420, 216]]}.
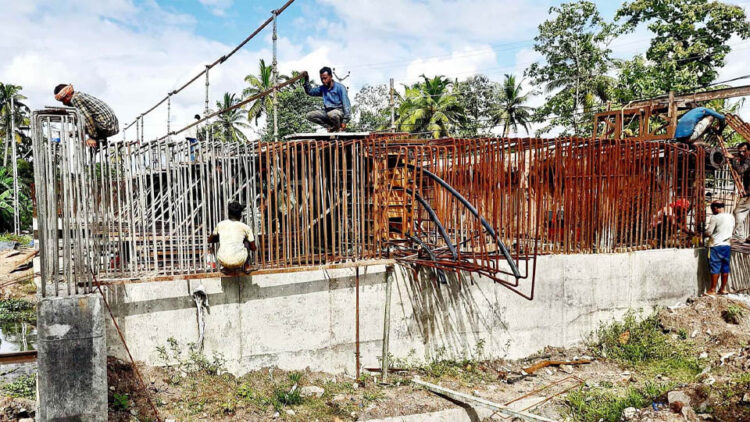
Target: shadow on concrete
{"points": [[447, 315]]}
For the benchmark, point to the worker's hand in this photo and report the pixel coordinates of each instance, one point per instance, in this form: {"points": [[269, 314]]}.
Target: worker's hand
{"points": [[729, 156], [343, 125], [91, 142], [253, 247], [305, 76]]}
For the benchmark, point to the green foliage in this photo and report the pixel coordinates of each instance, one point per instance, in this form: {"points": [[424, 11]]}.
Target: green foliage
{"points": [[690, 42], [733, 314], [261, 82], [190, 361], [607, 404], [573, 43], [121, 401], [6, 200], [17, 310], [228, 126], [23, 386], [293, 105], [641, 343], [285, 397], [429, 106], [510, 109], [478, 98], [23, 239], [371, 109]]}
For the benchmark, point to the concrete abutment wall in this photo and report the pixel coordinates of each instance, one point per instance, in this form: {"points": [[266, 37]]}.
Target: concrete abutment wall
{"points": [[307, 320]]}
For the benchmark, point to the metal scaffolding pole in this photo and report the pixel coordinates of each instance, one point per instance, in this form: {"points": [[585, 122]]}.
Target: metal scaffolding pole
{"points": [[393, 108], [275, 76]]}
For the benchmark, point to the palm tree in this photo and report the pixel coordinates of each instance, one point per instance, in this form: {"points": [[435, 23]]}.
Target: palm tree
{"points": [[229, 123], [20, 114], [429, 106], [510, 109], [261, 82]]}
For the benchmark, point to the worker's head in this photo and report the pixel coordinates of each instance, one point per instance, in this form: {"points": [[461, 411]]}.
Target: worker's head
{"points": [[63, 93], [326, 76], [717, 207], [235, 210], [197, 117], [744, 149]]}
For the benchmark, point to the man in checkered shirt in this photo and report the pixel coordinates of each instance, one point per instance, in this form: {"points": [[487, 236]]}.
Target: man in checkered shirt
{"points": [[99, 119]]}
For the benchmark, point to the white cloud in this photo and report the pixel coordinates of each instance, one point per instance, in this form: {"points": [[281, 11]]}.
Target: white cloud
{"points": [[130, 62], [217, 7], [464, 61]]}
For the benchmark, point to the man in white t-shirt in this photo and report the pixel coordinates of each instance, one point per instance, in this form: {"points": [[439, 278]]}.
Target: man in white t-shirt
{"points": [[236, 240], [719, 229]]}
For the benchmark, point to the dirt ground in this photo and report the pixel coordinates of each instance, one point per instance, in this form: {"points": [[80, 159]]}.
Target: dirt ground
{"points": [[14, 282], [193, 388], [715, 394]]}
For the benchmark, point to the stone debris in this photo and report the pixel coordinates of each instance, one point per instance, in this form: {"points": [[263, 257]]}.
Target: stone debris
{"points": [[629, 413], [312, 390], [290, 412], [678, 396]]}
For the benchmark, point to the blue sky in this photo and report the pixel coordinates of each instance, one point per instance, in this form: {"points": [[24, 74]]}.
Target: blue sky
{"points": [[132, 52]]}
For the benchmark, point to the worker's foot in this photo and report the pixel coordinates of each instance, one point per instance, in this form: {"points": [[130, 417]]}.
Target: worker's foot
{"points": [[711, 293], [723, 293]]}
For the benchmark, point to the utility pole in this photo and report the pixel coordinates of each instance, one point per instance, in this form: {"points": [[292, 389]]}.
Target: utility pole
{"points": [[16, 219], [274, 78], [205, 110], [393, 109]]}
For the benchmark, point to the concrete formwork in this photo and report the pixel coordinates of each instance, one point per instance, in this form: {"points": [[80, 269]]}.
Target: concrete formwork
{"points": [[307, 319]]}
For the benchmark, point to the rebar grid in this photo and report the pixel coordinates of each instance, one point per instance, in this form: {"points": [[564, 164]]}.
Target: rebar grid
{"points": [[135, 210]]}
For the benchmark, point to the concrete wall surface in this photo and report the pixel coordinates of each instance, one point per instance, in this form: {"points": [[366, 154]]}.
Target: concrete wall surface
{"points": [[72, 359], [300, 320]]}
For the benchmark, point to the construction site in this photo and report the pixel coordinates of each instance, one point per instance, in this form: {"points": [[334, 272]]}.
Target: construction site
{"points": [[398, 276]]}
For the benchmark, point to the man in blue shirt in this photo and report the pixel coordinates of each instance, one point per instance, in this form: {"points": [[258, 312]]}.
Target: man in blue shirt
{"points": [[693, 124], [336, 107]]}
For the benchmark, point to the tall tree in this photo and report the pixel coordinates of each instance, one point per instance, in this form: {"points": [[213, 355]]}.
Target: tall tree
{"points": [[371, 108], [477, 96], [20, 118], [691, 38], [574, 44], [228, 127], [429, 106], [261, 82], [510, 109]]}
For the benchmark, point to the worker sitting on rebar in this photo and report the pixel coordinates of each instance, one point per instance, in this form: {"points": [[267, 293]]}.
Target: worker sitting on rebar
{"points": [[236, 241], [694, 124], [336, 107], [99, 120], [741, 165], [669, 220]]}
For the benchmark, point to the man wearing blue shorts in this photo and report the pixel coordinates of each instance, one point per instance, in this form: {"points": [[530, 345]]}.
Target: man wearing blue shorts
{"points": [[720, 229]]}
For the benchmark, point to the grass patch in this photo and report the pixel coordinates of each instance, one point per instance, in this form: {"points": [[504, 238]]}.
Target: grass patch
{"points": [[23, 387], [23, 239], [733, 314], [606, 404], [17, 310], [640, 343]]}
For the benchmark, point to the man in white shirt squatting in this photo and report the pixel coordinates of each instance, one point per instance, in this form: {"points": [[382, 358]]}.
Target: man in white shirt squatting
{"points": [[236, 241]]}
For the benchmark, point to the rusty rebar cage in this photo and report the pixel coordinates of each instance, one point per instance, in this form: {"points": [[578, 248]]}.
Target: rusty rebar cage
{"points": [[134, 210]]}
